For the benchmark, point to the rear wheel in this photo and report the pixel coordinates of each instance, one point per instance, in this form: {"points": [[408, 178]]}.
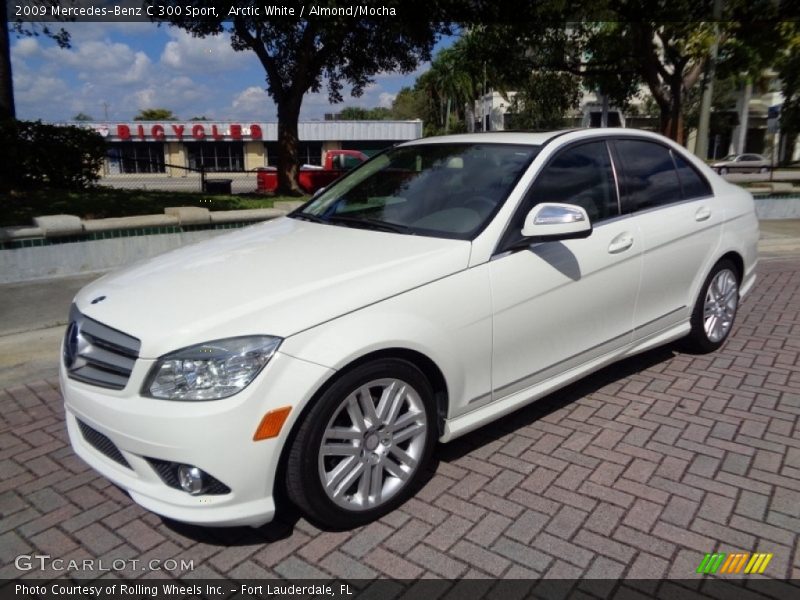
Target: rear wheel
{"points": [[715, 310], [723, 171], [363, 447]]}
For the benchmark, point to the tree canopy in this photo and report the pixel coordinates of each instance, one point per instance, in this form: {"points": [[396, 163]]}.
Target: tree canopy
{"points": [[155, 114], [617, 50]]}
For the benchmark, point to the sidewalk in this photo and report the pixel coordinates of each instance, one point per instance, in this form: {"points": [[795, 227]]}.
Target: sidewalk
{"points": [[33, 314], [637, 472], [779, 237]]}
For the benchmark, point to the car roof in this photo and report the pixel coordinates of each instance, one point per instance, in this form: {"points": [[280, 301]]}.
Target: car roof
{"points": [[531, 138], [491, 137]]}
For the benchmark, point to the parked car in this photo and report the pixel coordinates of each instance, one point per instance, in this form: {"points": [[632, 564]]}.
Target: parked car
{"points": [[742, 163], [441, 285], [312, 178]]}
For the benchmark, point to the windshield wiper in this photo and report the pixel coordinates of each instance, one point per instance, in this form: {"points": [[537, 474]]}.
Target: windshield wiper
{"points": [[368, 223], [308, 217]]}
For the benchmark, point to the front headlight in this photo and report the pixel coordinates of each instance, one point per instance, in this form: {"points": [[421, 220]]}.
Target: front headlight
{"points": [[212, 370]]}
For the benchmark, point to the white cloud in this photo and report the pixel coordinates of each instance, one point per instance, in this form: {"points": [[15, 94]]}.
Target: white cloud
{"points": [[210, 54], [253, 102], [386, 99], [121, 68], [27, 47], [138, 70], [39, 91]]}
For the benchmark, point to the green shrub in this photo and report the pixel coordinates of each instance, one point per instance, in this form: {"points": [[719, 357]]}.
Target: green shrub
{"points": [[36, 155]]}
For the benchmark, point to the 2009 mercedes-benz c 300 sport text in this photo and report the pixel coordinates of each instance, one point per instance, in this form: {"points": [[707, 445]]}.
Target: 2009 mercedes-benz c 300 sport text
{"points": [[440, 285]]}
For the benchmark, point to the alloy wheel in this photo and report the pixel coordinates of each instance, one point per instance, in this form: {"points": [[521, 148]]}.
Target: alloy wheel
{"points": [[720, 305], [373, 444]]}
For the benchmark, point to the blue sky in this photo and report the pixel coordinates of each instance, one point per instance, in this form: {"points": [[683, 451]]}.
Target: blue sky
{"points": [[125, 67]]}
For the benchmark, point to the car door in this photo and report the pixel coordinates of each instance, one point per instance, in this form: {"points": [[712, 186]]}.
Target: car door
{"points": [[680, 223], [560, 304]]}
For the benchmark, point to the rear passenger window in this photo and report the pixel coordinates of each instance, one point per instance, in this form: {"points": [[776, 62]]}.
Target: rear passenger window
{"points": [[694, 185], [648, 174]]}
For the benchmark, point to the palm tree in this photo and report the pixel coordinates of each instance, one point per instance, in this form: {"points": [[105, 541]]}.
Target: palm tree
{"points": [[452, 80]]}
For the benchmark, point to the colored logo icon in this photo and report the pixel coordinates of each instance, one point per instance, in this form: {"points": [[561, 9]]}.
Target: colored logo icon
{"points": [[733, 563]]}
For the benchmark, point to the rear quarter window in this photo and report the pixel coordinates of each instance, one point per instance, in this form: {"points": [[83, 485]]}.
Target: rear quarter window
{"points": [[694, 185]]}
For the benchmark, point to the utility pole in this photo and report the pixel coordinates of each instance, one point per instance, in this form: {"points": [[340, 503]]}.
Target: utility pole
{"points": [[105, 109], [701, 145], [747, 92], [483, 100]]}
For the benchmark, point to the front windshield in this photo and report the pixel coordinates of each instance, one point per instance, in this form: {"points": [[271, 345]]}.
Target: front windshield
{"points": [[441, 190]]}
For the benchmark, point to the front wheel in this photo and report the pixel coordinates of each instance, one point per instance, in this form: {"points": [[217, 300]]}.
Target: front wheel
{"points": [[363, 447], [715, 309], [723, 171]]}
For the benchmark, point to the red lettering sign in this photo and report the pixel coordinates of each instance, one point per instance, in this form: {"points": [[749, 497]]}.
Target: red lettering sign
{"points": [[158, 131]]}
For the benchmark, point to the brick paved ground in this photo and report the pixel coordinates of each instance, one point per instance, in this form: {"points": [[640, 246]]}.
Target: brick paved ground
{"points": [[636, 472]]}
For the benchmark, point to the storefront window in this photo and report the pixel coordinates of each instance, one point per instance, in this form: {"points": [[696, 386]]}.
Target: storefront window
{"points": [[147, 157], [216, 156], [308, 153]]}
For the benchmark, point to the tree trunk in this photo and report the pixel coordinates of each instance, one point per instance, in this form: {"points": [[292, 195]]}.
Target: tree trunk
{"points": [[7, 109], [288, 115], [671, 115]]}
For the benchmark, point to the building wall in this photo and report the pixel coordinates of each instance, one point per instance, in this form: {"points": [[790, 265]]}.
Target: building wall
{"points": [[255, 155], [256, 142], [175, 154]]}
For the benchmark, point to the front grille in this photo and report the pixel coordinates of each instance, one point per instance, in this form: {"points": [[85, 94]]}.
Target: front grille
{"points": [[102, 444], [167, 471], [98, 354]]}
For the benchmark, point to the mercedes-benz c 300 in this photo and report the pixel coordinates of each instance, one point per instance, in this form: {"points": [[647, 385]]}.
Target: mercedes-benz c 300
{"points": [[440, 285]]}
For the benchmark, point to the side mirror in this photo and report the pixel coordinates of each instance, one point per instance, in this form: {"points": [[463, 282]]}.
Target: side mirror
{"points": [[554, 221]]}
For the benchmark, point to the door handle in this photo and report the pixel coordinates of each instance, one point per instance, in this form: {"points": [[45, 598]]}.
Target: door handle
{"points": [[702, 214], [620, 243]]}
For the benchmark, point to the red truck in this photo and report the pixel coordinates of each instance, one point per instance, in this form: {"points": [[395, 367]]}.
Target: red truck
{"points": [[311, 178]]}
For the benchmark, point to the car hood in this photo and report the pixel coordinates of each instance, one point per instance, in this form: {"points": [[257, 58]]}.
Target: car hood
{"points": [[276, 278]]}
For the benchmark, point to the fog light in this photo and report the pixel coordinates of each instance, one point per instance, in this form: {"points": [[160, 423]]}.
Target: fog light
{"points": [[191, 479]]}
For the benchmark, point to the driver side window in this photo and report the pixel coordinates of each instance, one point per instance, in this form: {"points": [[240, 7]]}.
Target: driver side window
{"points": [[580, 175]]}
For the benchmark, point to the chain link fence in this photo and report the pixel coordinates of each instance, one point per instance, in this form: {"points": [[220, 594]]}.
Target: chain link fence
{"points": [[157, 175]]}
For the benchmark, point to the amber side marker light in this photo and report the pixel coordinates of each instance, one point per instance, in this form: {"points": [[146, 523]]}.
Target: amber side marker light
{"points": [[272, 423]]}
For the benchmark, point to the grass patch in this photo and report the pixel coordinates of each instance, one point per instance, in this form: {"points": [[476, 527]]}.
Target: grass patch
{"points": [[102, 202]]}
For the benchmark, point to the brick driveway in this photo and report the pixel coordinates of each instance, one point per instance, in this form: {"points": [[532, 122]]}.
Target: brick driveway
{"points": [[636, 472]]}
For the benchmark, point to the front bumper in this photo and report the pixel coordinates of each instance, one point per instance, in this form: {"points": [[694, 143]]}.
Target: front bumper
{"points": [[216, 436]]}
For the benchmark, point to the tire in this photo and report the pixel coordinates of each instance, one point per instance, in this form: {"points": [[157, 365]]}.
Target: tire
{"points": [[364, 472], [715, 310], [764, 170], [723, 171]]}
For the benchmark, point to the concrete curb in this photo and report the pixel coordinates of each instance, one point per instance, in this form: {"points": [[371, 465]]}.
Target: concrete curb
{"points": [[52, 226]]}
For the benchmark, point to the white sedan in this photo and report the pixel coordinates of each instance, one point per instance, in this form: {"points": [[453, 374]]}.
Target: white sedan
{"points": [[439, 286]]}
